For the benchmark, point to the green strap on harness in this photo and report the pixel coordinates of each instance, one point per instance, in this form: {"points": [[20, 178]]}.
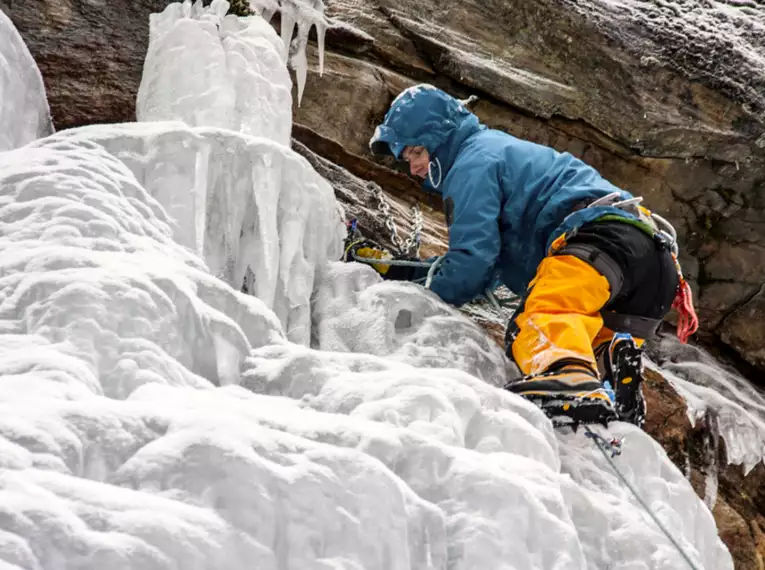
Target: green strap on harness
{"points": [[639, 224]]}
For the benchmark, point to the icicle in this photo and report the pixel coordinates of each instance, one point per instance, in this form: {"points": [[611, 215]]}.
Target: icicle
{"points": [[289, 19], [303, 14], [321, 30], [265, 8], [299, 59], [711, 469]]}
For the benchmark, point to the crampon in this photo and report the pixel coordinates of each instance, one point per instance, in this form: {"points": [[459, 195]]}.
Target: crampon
{"points": [[622, 367], [573, 410], [569, 393]]}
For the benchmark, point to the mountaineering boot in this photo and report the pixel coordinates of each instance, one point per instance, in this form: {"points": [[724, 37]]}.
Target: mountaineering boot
{"points": [[621, 365], [569, 392]]}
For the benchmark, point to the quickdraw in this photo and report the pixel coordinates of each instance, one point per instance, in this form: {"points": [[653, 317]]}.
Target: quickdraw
{"points": [[612, 446]]}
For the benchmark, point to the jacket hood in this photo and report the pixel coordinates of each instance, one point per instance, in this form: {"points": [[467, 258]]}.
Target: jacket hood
{"points": [[426, 116]]}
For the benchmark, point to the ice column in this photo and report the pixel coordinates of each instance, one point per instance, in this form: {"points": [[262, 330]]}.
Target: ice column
{"points": [[208, 69], [24, 113]]}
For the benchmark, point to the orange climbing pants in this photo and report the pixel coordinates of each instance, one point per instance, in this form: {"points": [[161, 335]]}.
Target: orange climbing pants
{"points": [[561, 316]]}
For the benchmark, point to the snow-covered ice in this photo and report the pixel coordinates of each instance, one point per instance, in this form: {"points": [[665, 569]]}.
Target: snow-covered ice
{"points": [[24, 112], [736, 406], [153, 416], [251, 208], [402, 322]]}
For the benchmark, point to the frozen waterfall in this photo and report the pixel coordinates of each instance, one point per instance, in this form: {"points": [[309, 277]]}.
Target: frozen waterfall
{"points": [[153, 416]]}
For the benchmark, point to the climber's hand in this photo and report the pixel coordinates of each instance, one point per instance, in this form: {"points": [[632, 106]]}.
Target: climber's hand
{"points": [[364, 251], [370, 252]]}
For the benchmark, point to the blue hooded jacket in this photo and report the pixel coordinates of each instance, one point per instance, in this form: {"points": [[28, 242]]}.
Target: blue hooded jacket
{"points": [[506, 199]]}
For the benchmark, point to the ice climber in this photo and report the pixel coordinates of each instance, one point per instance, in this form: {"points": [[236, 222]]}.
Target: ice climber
{"points": [[596, 272]]}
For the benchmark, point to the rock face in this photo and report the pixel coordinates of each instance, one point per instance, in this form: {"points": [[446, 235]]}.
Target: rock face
{"points": [[90, 54]]}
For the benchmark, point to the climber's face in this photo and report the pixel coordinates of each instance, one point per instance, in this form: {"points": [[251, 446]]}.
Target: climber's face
{"points": [[418, 159]]}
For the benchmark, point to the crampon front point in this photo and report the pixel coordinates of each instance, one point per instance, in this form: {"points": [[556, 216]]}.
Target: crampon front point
{"points": [[574, 410]]}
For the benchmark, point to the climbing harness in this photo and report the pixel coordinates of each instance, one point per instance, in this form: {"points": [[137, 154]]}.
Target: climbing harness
{"points": [[662, 231], [612, 448]]}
